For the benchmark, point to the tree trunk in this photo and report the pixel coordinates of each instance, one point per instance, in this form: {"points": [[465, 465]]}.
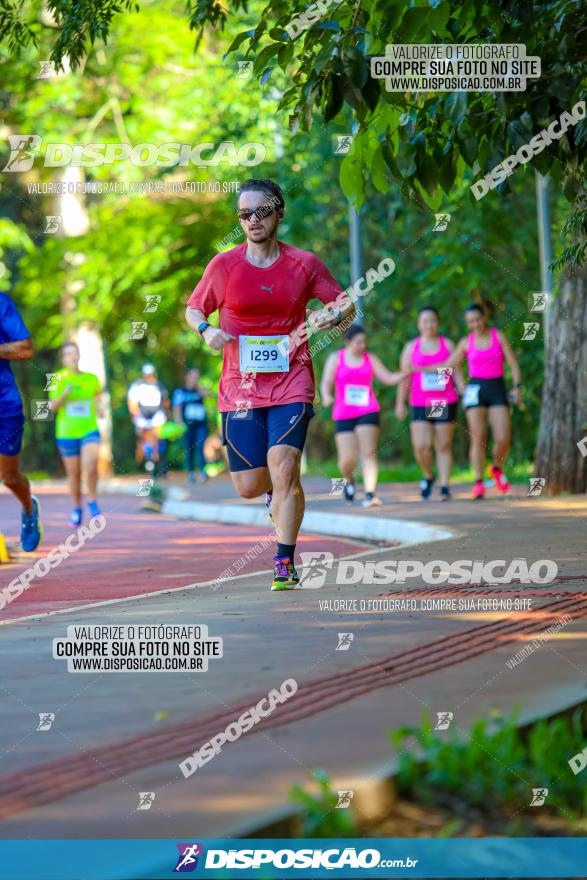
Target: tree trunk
{"points": [[72, 209], [561, 458], [91, 346]]}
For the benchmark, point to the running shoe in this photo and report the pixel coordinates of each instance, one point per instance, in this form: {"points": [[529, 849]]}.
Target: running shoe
{"points": [[349, 491], [191, 477], [202, 477], [94, 508], [371, 501], [445, 493], [285, 576], [478, 491], [31, 530], [426, 488], [76, 516], [501, 481], [268, 500]]}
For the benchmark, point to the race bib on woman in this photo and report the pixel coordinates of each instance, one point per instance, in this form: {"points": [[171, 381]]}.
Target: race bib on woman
{"points": [[434, 381], [263, 354], [79, 409], [356, 395], [471, 395]]}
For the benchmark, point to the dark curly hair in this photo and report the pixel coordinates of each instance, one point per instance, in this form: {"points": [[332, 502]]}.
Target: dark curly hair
{"points": [[267, 186]]}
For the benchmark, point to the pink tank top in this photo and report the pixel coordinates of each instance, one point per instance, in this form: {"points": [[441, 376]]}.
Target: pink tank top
{"points": [[485, 363], [354, 389], [426, 387]]}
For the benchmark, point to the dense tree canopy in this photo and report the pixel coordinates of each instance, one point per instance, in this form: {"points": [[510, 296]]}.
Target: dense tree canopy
{"points": [[424, 140], [134, 78]]}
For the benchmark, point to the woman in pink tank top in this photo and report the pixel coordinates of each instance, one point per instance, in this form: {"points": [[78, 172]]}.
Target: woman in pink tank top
{"points": [[433, 401], [485, 397], [347, 382]]}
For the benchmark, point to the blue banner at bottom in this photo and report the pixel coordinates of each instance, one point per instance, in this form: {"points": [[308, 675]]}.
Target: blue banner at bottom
{"points": [[222, 858]]}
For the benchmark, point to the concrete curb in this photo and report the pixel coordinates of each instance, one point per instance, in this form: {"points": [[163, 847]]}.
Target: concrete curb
{"points": [[366, 528], [115, 486]]}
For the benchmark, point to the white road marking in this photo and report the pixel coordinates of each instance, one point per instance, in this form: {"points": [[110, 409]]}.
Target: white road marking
{"points": [[183, 589]]}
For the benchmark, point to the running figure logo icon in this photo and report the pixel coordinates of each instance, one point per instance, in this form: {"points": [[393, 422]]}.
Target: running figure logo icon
{"points": [[537, 484], [444, 719], [21, 152], [344, 641], [245, 69], [436, 410], [47, 71], [145, 487], [341, 144], [344, 799], [315, 564], [441, 222], [530, 331], [338, 484], [138, 329], [53, 223], [146, 799], [52, 382], [152, 301], [41, 411], [187, 860], [538, 301], [539, 795], [46, 719], [243, 408]]}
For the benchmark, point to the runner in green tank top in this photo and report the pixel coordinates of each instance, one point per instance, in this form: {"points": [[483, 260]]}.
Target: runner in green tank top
{"points": [[73, 395]]}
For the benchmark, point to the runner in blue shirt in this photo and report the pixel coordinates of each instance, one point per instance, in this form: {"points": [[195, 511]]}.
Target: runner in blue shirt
{"points": [[15, 345]]}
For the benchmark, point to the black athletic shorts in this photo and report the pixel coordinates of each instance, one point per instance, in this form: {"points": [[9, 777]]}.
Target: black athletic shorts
{"points": [[485, 392], [341, 425], [433, 414], [248, 434]]}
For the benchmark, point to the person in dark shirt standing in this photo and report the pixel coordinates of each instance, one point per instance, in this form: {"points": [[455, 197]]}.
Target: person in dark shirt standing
{"points": [[189, 409], [15, 345]]}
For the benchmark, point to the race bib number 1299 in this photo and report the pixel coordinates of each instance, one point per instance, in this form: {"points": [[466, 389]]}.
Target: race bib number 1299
{"points": [[263, 354]]}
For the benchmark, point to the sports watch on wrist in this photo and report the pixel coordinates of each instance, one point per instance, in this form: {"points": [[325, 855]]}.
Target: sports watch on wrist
{"points": [[202, 328]]}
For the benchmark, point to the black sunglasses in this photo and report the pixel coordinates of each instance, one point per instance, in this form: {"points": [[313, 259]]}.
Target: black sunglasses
{"points": [[258, 214]]}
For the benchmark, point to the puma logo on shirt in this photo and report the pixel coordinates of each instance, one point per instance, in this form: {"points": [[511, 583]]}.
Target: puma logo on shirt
{"points": [[270, 289]]}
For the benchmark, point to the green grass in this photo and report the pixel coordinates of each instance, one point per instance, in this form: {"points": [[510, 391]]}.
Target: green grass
{"points": [[37, 476], [518, 473], [318, 815]]}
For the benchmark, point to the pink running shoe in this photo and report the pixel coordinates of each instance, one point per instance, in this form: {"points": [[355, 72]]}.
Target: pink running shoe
{"points": [[478, 492], [501, 481]]}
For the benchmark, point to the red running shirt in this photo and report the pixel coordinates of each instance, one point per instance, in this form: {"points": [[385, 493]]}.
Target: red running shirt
{"points": [[254, 301]]}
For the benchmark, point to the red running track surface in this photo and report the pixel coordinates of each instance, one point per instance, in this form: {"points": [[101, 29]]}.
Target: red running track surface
{"points": [[137, 552]]}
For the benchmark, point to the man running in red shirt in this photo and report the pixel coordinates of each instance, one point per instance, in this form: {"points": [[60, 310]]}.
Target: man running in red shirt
{"points": [[261, 289]]}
